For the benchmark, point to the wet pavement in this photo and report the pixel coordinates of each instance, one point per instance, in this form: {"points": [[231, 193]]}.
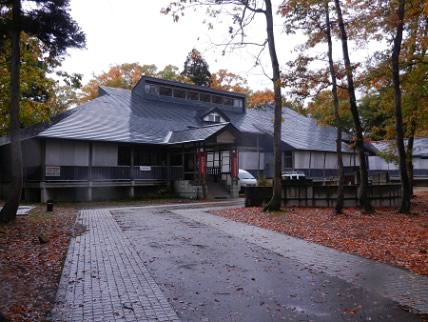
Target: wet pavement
{"points": [[172, 263]]}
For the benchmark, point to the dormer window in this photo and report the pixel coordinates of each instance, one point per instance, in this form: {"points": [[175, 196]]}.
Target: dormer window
{"points": [[214, 117]]}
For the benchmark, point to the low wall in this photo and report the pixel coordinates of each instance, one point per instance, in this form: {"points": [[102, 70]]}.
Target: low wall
{"points": [[309, 194], [185, 189]]}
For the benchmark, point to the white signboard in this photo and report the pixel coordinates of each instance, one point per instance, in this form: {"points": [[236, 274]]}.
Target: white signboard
{"points": [[53, 171], [145, 168]]}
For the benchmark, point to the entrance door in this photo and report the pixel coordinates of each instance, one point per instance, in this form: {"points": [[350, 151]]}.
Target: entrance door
{"points": [[214, 163]]}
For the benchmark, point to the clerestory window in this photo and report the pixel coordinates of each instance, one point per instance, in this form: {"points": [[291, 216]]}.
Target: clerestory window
{"points": [[187, 94]]}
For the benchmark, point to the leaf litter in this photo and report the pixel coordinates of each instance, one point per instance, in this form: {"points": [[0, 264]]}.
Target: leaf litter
{"points": [[385, 236], [32, 254]]}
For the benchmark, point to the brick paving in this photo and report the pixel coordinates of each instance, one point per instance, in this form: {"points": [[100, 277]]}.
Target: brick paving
{"points": [[104, 279], [404, 287]]}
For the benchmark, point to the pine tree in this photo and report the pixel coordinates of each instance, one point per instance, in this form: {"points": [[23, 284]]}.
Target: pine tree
{"points": [[197, 69]]}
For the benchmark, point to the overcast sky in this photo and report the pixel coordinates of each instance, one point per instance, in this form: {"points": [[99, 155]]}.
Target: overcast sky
{"points": [[127, 31]]}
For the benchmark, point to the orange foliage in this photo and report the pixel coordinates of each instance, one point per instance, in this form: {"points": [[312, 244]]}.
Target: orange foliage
{"points": [[228, 81], [260, 98]]}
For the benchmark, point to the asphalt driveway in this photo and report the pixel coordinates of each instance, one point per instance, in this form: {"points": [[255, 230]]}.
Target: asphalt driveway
{"points": [[170, 263]]}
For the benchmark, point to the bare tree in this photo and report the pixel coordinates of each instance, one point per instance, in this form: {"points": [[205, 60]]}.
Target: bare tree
{"points": [[243, 15]]}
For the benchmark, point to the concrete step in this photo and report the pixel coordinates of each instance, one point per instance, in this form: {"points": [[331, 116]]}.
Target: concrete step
{"points": [[216, 190]]}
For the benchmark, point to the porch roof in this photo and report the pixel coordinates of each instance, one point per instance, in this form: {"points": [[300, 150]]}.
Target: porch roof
{"points": [[196, 134]]}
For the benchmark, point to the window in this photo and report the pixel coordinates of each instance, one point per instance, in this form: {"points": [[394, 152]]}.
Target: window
{"points": [[288, 160], [145, 157], [165, 91], [192, 95], [205, 97], [151, 89], [179, 93], [237, 102], [227, 101], [214, 117], [124, 155], [217, 99]]}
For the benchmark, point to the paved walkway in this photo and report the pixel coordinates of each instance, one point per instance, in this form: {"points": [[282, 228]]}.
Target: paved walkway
{"points": [[109, 276], [404, 287], [105, 280]]}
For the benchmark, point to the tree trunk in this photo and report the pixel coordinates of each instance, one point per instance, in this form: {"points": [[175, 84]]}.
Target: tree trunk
{"points": [[340, 188], [8, 213], [3, 318], [395, 64], [363, 197], [409, 161], [275, 202], [414, 48]]}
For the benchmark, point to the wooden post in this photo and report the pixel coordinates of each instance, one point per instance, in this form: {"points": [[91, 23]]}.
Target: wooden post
{"points": [[168, 165], [91, 150], [293, 160], [43, 161], [195, 172], [131, 173], [132, 162], [183, 161], [204, 179], [325, 156], [43, 192], [282, 160], [258, 156]]}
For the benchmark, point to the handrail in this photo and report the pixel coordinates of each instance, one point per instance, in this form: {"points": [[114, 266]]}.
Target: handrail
{"points": [[116, 173]]}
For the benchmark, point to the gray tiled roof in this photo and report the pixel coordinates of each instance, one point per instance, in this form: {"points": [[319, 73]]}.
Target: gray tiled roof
{"points": [[120, 115], [195, 134], [35, 129], [420, 146]]}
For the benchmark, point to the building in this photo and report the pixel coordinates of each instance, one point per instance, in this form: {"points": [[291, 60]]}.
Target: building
{"points": [[161, 132], [383, 170]]}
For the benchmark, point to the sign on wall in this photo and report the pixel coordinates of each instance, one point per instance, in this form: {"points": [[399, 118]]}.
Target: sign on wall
{"points": [[53, 171], [145, 168]]}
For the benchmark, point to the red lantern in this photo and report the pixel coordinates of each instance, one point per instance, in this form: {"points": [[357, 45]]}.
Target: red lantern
{"points": [[234, 170], [202, 164]]}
